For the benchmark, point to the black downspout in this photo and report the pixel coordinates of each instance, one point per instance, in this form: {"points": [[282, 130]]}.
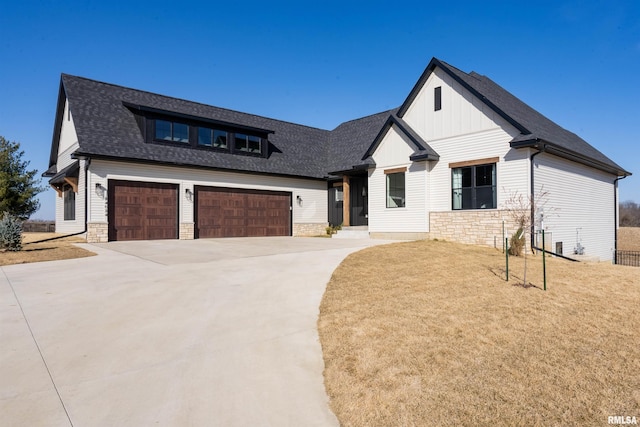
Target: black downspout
{"points": [[532, 201], [86, 210], [615, 217]]}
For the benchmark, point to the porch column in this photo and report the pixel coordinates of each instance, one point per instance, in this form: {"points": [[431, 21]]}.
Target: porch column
{"points": [[346, 203]]}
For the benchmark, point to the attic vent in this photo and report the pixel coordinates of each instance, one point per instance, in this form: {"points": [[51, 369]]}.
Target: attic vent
{"points": [[437, 98]]}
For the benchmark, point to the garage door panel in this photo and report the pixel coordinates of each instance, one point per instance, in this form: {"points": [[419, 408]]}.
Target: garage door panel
{"points": [[142, 211], [242, 213]]}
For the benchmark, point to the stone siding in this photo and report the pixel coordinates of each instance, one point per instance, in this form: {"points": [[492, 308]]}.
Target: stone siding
{"points": [[97, 232], [187, 231], [477, 227], [310, 229]]}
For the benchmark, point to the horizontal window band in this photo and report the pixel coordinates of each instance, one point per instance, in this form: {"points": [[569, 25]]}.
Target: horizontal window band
{"points": [[474, 162], [396, 170]]}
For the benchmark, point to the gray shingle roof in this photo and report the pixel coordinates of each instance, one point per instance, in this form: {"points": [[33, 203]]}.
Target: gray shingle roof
{"points": [[349, 141], [105, 127]]}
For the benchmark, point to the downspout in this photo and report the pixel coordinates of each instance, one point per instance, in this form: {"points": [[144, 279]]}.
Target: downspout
{"points": [[615, 216], [532, 197], [86, 202]]}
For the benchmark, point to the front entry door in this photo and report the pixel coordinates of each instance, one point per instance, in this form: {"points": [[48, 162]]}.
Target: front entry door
{"points": [[358, 200]]}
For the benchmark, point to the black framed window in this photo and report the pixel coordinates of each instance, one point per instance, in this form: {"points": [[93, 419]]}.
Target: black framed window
{"points": [[248, 143], [396, 190], [474, 187], [212, 138], [437, 98], [69, 203], [206, 135], [171, 131]]}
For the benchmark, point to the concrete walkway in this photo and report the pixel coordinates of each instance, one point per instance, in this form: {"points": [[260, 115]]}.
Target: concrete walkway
{"points": [[169, 333]]}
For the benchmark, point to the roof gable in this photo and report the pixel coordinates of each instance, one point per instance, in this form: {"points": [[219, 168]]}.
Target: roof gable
{"points": [[422, 150], [535, 129]]}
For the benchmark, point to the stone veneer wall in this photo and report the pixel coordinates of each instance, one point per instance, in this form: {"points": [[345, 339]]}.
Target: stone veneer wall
{"points": [[187, 231], [477, 227], [97, 232], [310, 229]]}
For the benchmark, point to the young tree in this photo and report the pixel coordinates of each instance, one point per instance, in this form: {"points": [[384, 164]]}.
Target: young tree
{"points": [[526, 212], [18, 186]]}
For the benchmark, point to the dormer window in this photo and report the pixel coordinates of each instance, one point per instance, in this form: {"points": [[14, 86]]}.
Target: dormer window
{"points": [[248, 143], [200, 133], [212, 138], [171, 131]]}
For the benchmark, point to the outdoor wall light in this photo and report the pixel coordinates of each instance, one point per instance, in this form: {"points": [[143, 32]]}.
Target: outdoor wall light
{"points": [[100, 189], [189, 193], [299, 200]]}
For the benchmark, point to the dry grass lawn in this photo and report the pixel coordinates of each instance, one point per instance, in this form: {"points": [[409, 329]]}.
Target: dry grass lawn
{"points": [[629, 238], [45, 251], [430, 334]]}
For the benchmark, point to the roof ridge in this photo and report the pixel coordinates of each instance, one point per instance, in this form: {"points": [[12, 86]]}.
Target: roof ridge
{"points": [[365, 117], [191, 102]]}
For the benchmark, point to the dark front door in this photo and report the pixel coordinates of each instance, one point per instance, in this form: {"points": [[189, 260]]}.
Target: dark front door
{"points": [[336, 203], [358, 201]]}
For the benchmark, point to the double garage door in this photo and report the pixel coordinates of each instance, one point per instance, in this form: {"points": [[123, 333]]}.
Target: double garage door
{"points": [[149, 211]]}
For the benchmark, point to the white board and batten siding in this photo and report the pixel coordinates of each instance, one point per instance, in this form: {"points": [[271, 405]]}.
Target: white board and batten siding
{"points": [[579, 197], [393, 152], [67, 145], [465, 129], [313, 193], [461, 112], [68, 135]]}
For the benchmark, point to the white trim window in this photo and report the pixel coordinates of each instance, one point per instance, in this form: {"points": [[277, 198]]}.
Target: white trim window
{"points": [[396, 188]]}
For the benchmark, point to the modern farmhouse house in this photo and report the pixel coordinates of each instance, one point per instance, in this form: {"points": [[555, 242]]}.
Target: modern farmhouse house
{"points": [[128, 164]]}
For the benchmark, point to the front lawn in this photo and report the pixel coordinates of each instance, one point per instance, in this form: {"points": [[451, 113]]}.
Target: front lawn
{"points": [[430, 334], [51, 250]]}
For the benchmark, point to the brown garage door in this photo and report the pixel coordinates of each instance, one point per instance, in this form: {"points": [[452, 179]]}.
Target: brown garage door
{"points": [[232, 212], [142, 210]]}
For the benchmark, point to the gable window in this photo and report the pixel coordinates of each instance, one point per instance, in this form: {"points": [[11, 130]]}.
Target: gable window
{"points": [[69, 203], [212, 138], [437, 98], [474, 186], [248, 143], [395, 187], [171, 131]]}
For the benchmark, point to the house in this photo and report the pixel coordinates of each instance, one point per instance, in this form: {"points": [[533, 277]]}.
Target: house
{"points": [[128, 164]]}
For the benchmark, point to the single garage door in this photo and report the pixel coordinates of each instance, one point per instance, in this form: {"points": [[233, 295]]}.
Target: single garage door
{"points": [[142, 210], [232, 212]]}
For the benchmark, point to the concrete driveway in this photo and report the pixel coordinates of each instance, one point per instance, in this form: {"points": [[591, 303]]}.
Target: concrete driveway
{"points": [[175, 333]]}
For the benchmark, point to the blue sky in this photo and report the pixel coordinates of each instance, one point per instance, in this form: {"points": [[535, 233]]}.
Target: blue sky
{"points": [[322, 63]]}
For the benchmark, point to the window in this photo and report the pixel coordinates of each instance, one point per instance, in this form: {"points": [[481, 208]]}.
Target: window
{"points": [[69, 203], [171, 131], [437, 98], [248, 143], [212, 138], [205, 134], [474, 187], [395, 190]]}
